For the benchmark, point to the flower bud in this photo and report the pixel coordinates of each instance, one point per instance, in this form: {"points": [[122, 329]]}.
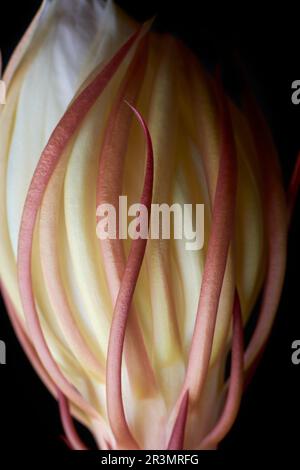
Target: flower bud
{"points": [[133, 335]]}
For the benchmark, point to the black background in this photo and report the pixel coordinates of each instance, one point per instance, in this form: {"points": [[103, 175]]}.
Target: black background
{"points": [[267, 42]]}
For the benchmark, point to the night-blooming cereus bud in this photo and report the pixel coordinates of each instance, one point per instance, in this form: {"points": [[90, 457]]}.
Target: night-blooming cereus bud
{"points": [[132, 334]]}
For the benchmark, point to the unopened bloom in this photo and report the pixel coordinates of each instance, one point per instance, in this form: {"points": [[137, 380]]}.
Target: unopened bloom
{"points": [[133, 336]]}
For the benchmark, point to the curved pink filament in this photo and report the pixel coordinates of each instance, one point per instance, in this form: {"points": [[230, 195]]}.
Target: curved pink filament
{"points": [[68, 425], [109, 187], [114, 399], [48, 227], [111, 164], [28, 348], [26, 344], [72, 439], [235, 389], [57, 143], [216, 258], [276, 232], [176, 441]]}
